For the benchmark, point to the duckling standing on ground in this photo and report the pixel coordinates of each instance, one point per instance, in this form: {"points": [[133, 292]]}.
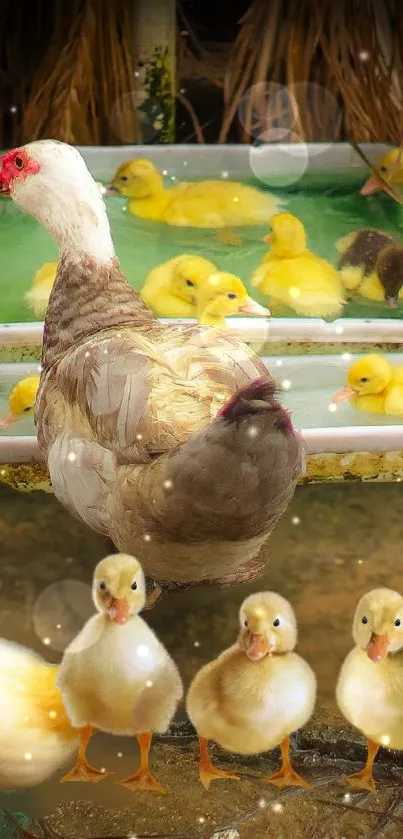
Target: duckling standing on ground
{"points": [[21, 400], [116, 676], [255, 693], [370, 686], [223, 295], [371, 263], [292, 275], [205, 204], [374, 386]]}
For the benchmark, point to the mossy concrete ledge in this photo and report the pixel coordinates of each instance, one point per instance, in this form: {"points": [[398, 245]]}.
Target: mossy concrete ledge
{"points": [[320, 468]]}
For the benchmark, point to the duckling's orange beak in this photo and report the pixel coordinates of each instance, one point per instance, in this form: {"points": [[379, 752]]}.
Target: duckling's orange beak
{"points": [[119, 610], [377, 648], [8, 420], [267, 239], [371, 186], [258, 647], [345, 393], [254, 309]]}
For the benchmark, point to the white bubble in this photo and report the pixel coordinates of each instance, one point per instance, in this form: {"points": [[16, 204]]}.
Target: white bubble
{"points": [[277, 163], [286, 384], [142, 651], [66, 605]]}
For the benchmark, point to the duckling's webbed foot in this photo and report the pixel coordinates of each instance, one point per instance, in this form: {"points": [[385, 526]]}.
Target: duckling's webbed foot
{"points": [[208, 772], [287, 776], [83, 771], [362, 780], [143, 779]]}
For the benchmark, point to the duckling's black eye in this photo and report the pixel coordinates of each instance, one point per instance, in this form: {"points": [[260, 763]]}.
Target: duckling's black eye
{"points": [[364, 380], [124, 178], [245, 623], [190, 284], [397, 622], [19, 163], [276, 622], [134, 586], [231, 296], [383, 168], [102, 586], [364, 619], [28, 408]]}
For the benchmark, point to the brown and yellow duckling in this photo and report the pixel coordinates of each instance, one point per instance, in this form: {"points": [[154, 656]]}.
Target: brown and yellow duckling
{"points": [[371, 264]]}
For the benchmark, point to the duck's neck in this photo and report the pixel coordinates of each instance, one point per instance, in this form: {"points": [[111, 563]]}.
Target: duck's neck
{"points": [[208, 316], [152, 207], [90, 292]]}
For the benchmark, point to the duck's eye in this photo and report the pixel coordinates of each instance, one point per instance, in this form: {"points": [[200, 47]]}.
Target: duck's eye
{"points": [[397, 622], [245, 623], [231, 296], [134, 586], [19, 163], [276, 622], [102, 586], [364, 619], [28, 408], [124, 178], [364, 380], [383, 168], [190, 284]]}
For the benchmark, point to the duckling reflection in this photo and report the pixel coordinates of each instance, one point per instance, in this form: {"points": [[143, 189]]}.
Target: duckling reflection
{"points": [[370, 686], [21, 400], [116, 676], [373, 386], [256, 693]]}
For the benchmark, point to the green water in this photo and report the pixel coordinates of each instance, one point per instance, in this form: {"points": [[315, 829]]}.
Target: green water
{"points": [[327, 214]]}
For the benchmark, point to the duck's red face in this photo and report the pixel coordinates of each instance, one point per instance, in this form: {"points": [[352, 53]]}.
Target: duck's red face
{"points": [[16, 165]]}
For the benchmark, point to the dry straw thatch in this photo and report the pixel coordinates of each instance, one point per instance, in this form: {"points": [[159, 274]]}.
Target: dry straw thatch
{"points": [[351, 50]]}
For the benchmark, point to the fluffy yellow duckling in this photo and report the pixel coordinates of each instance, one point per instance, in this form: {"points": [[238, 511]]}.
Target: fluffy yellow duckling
{"points": [[38, 296], [374, 386], [292, 275], [391, 168], [371, 264], [223, 295], [116, 676], [21, 400], [370, 686], [36, 737], [255, 693], [207, 204], [170, 288]]}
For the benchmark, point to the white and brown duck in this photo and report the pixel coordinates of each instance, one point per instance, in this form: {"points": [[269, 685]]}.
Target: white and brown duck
{"points": [[168, 439]]}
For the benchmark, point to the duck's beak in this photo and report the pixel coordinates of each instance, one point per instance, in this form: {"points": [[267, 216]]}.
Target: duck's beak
{"points": [[267, 239], [345, 393], [371, 186], [258, 647], [9, 419], [110, 189], [392, 302], [254, 309], [119, 610], [377, 648]]}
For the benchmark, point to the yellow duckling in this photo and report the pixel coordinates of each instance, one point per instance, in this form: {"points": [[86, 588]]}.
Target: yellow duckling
{"points": [[116, 676], [292, 275], [371, 264], [255, 693], [223, 295], [370, 686], [21, 400], [170, 288], [391, 168], [38, 296], [207, 204], [374, 386]]}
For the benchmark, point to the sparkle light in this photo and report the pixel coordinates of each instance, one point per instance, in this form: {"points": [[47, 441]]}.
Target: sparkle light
{"points": [[103, 769], [296, 520], [13, 109], [224, 174], [168, 484], [46, 641], [262, 803], [147, 537], [363, 55], [39, 368], [185, 163], [253, 431], [385, 740], [149, 683], [58, 626], [332, 408], [196, 644], [52, 715], [142, 651], [87, 354], [277, 807], [286, 384], [347, 798], [28, 756], [139, 436], [201, 819], [347, 356], [120, 754], [71, 456], [2, 472], [26, 719], [236, 199], [294, 292], [164, 171], [279, 362], [360, 562], [339, 330]]}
